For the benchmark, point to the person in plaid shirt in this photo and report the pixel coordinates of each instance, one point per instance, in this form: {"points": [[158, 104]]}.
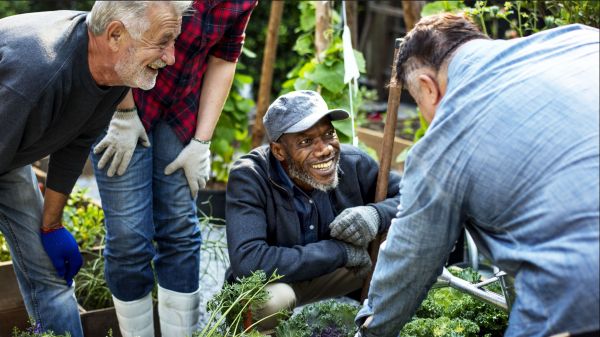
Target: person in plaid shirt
{"points": [[149, 205]]}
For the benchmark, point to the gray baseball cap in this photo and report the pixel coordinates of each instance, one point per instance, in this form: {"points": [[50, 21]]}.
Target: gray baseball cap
{"points": [[297, 111]]}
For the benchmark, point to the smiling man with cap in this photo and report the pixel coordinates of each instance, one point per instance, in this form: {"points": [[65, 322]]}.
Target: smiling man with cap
{"points": [[303, 206]]}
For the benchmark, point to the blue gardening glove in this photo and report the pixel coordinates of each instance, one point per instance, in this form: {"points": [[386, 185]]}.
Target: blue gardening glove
{"points": [[63, 251], [356, 225]]}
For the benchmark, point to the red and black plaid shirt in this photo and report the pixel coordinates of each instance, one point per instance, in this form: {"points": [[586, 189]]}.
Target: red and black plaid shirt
{"points": [[216, 28]]}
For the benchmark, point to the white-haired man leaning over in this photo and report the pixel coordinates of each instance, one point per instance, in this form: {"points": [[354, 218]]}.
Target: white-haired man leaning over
{"points": [[62, 74]]}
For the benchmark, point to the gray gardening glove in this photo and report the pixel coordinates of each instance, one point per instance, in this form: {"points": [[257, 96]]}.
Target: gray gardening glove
{"points": [[359, 260], [362, 271], [357, 256], [194, 159], [356, 225], [120, 141]]}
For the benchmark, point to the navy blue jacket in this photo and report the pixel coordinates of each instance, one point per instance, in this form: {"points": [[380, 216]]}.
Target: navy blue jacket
{"points": [[263, 229]]}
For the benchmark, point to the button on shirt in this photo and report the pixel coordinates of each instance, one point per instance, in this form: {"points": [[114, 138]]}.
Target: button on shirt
{"points": [[314, 209]]}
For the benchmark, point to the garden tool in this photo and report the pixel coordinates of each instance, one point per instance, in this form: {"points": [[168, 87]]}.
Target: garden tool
{"points": [[475, 290], [135, 317], [179, 313]]}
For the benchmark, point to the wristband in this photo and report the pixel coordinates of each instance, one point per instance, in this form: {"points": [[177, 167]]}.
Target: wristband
{"points": [[51, 228], [126, 110], [206, 142]]}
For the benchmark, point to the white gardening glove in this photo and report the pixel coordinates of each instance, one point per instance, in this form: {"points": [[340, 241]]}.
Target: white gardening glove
{"points": [[120, 141], [194, 159]]}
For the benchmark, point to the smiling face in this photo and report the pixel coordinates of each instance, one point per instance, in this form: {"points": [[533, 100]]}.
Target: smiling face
{"points": [[140, 60], [310, 157]]}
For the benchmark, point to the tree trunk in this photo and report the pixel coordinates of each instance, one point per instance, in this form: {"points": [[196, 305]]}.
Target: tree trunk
{"points": [[412, 12], [352, 17], [323, 25], [266, 78]]}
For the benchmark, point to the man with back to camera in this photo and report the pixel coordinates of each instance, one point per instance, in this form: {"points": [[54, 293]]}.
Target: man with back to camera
{"points": [[62, 73], [512, 154], [303, 206]]}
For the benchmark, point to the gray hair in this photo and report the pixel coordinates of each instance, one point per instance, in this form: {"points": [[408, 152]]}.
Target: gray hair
{"points": [[131, 13], [431, 42]]}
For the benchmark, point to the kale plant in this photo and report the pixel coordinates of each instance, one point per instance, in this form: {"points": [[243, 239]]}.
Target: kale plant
{"points": [[321, 319], [449, 312]]}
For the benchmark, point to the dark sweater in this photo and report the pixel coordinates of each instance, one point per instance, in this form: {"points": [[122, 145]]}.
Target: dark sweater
{"points": [[50, 102], [263, 228]]}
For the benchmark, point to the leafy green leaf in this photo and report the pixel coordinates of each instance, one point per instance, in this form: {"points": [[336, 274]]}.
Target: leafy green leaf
{"points": [[331, 78], [304, 44], [438, 7], [307, 16]]}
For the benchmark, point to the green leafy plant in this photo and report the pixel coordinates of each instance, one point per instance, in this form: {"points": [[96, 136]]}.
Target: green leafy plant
{"points": [[325, 73], [322, 319], [4, 250], [90, 285], [449, 312], [440, 327], [519, 18], [231, 133], [231, 309], [84, 219]]}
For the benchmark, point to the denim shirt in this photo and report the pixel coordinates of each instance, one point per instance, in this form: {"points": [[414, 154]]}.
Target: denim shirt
{"points": [[314, 208], [513, 155]]}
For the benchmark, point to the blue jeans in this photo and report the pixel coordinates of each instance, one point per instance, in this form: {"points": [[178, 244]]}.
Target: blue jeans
{"points": [[150, 221], [47, 298]]}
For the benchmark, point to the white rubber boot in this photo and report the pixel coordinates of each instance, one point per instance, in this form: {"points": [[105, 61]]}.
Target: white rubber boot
{"points": [[135, 317], [179, 312]]}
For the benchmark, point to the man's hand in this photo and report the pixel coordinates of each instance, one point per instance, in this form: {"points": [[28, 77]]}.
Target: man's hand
{"points": [[63, 251], [356, 225], [363, 326], [120, 141], [195, 161]]}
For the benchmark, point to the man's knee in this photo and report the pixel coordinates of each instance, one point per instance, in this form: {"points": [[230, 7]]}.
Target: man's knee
{"points": [[282, 298]]}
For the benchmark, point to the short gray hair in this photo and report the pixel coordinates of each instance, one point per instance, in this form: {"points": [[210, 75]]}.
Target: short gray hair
{"points": [[131, 13]]}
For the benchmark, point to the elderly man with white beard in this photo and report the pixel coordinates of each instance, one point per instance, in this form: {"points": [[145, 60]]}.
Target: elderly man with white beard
{"points": [[304, 207], [62, 74]]}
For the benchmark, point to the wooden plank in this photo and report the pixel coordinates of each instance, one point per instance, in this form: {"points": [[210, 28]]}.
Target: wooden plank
{"points": [[9, 289], [374, 139], [10, 318]]}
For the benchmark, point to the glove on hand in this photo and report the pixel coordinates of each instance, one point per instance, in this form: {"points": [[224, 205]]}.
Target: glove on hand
{"points": [[356, 225], [357, 256], [64, 253], [195, 161], [362, 271], [120, 141]]}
